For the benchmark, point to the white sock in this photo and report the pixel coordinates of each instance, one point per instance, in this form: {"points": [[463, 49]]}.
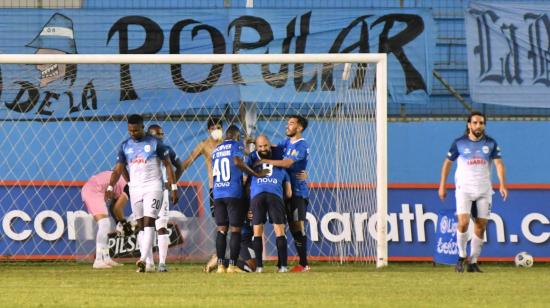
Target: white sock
{"points": [[147, 241], [461, 241], [140, 243], [101, 240], [477, 244], [164, 242]]}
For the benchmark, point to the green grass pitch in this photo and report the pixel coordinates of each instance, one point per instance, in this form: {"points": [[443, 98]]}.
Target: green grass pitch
{"points": [[328, 285]]}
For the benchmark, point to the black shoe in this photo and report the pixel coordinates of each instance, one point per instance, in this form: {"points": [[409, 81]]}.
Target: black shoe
{"points": [[474, 268], [459, 267]]}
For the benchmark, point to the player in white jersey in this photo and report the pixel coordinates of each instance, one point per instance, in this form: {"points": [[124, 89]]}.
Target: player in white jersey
{"points": [[475, 153], [161, 223], [142, 155]]}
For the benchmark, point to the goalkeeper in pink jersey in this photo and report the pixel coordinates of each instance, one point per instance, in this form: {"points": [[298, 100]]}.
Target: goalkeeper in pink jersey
{"points": [[93, 196]]}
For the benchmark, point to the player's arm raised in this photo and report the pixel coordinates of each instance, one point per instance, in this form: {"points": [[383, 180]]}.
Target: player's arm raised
{"points": [[501, 174], [442, 192]]}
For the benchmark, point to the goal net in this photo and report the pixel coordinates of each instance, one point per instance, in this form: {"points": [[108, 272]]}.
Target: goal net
{"points": [[64, 116]]}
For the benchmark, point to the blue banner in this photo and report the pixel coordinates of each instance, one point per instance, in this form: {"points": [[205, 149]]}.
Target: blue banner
{"points": [[446, 249], [40, 221], [507, 44], [59, 90]]}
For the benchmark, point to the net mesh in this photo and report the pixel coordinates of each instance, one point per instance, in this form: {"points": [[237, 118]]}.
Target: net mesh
{"points": [[61, 124]]}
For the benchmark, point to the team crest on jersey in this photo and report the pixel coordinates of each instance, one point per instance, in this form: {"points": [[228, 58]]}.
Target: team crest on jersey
{"points": [[294, 153], [485, 149], [147, 148]]}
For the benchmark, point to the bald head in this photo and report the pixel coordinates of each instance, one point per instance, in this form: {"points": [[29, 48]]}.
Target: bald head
{"points": [[263, 146]]}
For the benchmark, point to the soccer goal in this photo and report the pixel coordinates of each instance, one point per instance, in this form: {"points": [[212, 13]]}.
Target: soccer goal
{"points": [[63, 117]]}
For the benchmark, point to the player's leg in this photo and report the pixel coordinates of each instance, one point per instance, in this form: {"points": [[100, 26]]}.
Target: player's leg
{"points": [[213, 262], [222, 222], [151, 205], [95, 205], [480, 224], [463, 210], [259, 212], [236, 214], [163, 236], [296, 214], [136, 202], [277, 216]]}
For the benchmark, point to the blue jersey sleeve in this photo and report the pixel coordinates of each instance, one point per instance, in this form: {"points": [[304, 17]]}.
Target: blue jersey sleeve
{"points": [[163, 151], [452, 155], [300, 153], [120, 156], [237, 150], [495, 154], [250, 159], [174, 159]]}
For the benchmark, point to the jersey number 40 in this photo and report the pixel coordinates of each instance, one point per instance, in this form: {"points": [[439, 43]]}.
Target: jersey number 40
{"points": [[221, 170]]}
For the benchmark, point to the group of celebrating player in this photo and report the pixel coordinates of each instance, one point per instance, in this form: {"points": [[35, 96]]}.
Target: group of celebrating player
{"points": [[245, 189]]}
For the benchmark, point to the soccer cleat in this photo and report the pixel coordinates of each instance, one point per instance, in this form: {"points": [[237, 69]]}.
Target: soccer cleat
{"points": [[300, 269], [259, 269], [221, 269], [474, 268], [113, 263], [459, 267], [234, 269], [150, 267], [99, 264], [211, 264], [282, 269], [140, 266], [162, 268]]}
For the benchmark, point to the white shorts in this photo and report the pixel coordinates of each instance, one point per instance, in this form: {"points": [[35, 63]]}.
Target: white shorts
{"points": [[162, 220], [483, 201], [145, 203]]}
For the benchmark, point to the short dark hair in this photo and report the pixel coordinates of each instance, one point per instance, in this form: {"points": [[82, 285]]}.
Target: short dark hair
{"points": [[301, 120], [135, 119], [153, 126], [232, 131], [213, 121]]}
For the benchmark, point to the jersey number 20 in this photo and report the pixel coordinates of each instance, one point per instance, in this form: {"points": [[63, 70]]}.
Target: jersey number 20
{"points": [[221, 169]]}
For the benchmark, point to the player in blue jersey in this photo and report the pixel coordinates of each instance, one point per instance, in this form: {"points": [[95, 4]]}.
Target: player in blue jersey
{"points": [[475, 152], [267, 195], [227, 173], [296, 152], [142, 155], [161, 224]]}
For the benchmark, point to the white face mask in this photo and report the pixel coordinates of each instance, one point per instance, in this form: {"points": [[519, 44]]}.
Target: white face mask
{"points": [[216, 134]]}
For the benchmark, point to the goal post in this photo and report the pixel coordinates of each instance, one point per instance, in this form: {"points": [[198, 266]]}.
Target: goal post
{"points": [[61, 131]]}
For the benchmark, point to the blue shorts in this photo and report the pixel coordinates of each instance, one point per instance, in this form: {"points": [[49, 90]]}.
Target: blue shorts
{"points": [[229, 211], [267, 204]]}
